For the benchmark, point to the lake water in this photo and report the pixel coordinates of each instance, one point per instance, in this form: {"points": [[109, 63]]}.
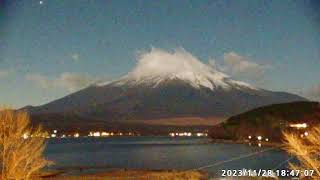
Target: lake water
{"points": [[160, 153]]}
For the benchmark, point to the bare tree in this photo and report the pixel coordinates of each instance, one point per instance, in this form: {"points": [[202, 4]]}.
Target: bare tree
{"points": [[306, 150], [21, 147]]}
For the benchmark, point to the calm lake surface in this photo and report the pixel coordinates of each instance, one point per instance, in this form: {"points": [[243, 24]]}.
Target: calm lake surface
{"points": [[159, 153]]}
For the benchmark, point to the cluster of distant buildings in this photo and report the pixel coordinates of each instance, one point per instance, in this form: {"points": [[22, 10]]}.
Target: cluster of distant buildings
{"points": [[297, 126], [258, 138], [300, 126], [105, 134], [55, 134], [188, 134]]}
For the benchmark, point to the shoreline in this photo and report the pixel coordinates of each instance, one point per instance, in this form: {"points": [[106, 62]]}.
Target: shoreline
{"points": [[263, 143], [129, 174]]}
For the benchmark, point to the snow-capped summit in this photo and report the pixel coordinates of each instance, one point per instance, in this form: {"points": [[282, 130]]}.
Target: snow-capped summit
{"points": [[157, 66], [163, 85]]}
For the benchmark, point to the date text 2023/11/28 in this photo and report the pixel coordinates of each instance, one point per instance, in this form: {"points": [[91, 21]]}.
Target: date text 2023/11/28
{"points": [[266, 173]]}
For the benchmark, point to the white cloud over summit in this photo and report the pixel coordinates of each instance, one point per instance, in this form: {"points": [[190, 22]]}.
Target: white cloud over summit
{"points": [[158, 62], [158, 65], [161, 64]]}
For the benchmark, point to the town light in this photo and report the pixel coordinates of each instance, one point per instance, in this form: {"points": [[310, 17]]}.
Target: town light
{"points": [[259, 138], [96, 134], [105, 134], [299, 125], [200, 134], [25, 136], [185, 133], [76, 135]]}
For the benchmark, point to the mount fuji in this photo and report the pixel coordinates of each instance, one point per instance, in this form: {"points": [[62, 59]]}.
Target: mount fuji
{"points": [[163, 85]]}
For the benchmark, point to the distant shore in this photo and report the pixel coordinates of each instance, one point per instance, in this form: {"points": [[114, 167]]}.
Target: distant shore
{"points": [[131, 174], [263, 143]]}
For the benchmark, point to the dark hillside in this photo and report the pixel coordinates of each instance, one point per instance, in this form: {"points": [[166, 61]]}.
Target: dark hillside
{"points": [[268, 121]]}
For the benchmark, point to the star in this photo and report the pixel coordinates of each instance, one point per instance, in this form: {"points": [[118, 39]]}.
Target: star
{"points": [[75, 56], [40, 2]]}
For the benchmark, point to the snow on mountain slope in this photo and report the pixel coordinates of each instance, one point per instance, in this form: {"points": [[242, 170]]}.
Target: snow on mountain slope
{"points": [[162, 85], [157, 66]]}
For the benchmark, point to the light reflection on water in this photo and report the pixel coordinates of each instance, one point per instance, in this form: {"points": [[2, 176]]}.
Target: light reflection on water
{"points": [[157, 153]]}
